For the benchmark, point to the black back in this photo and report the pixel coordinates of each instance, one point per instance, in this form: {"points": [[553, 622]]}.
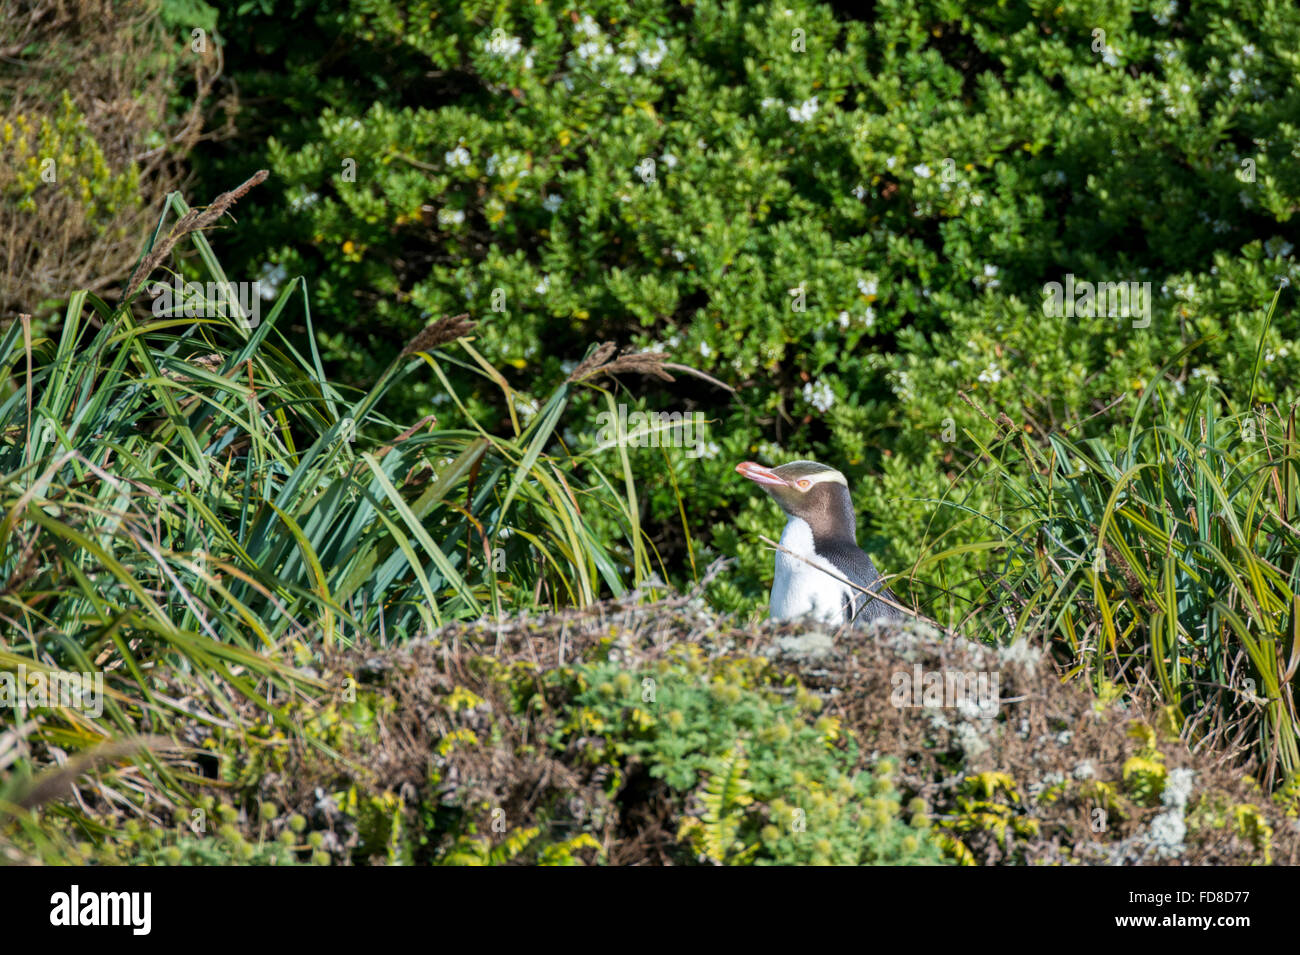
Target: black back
{"points": [[854, 563]]}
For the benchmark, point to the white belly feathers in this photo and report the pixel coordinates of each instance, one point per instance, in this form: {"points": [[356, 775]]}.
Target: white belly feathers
{"points": [[801, 588]]}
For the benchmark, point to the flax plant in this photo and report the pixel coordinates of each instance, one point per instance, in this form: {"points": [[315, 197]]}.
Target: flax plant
{"points": [[1166, 560], [191, 509]]}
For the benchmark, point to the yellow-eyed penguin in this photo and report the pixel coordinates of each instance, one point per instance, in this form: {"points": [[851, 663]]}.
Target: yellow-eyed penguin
{"points": [[821, 529]]}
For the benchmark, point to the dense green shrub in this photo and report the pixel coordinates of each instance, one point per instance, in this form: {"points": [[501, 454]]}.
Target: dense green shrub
{"points": [[852, 220]]}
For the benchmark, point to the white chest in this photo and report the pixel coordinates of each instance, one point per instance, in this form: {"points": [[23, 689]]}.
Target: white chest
{"points": [[810, 587]]}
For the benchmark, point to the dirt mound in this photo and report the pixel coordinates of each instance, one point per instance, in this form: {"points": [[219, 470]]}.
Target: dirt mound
{"points": [[478, 736]]}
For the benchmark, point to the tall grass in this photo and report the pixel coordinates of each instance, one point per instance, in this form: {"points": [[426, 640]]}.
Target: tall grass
{"points": [[1166, 561], [192, 509]]}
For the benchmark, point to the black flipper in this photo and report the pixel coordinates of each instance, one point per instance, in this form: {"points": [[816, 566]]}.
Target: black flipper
{"points": [[854, 563]]}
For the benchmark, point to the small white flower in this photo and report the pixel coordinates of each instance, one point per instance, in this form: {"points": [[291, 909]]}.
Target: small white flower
{"points": [[593, 50], [988, 279], [705, 350], [804, 111], [302, 202], [544, 286], [669, 160], [502, 45], [769, 102], [821, 396], [448, 217], [270, 280], [922, 171], [859, 192], [553, 202], [991, 375], [651, 58], [868, 286], [457, 157]]}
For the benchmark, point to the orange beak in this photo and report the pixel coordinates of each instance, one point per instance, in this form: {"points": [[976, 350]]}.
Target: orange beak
{"points": [[761, 475]]}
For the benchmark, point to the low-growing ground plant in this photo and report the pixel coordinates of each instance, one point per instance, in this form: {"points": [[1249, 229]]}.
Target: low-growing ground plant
{"points": [[661, 733]]}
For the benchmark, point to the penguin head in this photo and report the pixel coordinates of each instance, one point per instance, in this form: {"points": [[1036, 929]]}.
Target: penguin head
{"points": [[815, 493]]}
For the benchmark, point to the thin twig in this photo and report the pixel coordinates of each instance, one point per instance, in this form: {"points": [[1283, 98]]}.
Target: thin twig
{"points": [[876, 596]]}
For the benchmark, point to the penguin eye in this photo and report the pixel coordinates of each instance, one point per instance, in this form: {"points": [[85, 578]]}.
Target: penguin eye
{"points": [[803, 484]]}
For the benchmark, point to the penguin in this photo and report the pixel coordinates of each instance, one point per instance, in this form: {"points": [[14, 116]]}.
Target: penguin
{"points": [[820, 528]]}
